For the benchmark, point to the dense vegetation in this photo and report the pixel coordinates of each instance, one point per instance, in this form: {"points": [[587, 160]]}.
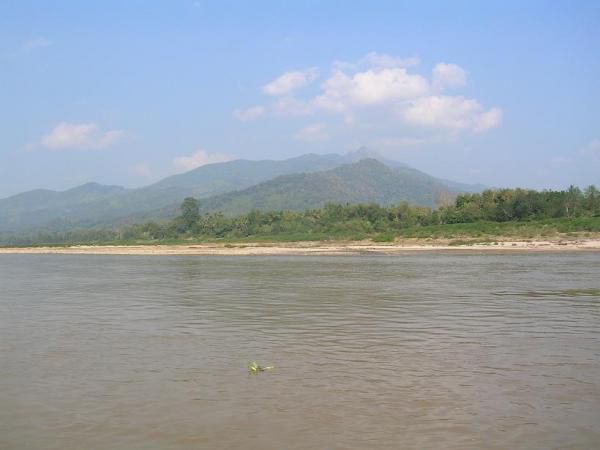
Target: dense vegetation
{"points": [[506, 212], [366, 181], [233, 188]]}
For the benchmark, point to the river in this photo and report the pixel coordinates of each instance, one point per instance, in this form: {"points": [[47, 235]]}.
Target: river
{"points": [[418, 351]]}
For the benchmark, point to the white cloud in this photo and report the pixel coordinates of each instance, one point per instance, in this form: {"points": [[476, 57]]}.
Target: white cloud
{"points": [[37, 43], [290, 81], [199, 158], [109, 138], [488, 120], [248, 114], [81, 136], [381, 86], [448, 75], [312, 133], [372, 87], [454, 113], [387, 61]]}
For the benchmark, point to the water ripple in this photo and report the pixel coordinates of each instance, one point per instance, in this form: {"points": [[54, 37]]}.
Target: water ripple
{"points": [[419, 351]]}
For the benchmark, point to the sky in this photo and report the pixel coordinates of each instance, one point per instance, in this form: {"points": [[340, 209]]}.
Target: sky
{"points": [[502, 93]]}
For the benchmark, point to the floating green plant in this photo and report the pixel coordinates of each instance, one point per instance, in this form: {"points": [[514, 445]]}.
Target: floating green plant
{"points": [[253, 367]]}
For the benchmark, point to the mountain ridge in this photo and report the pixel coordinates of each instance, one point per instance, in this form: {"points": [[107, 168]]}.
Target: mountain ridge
{"points": [[97, 205], [365, 181]]}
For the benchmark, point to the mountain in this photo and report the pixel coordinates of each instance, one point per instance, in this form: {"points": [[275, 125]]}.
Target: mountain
{"points": [[41, 198], [239, 174], [50, 208], [366, 181], [93, 204], [233, 186]]}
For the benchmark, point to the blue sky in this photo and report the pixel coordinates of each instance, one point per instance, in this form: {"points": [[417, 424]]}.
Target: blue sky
{"points": [[501, 93]]}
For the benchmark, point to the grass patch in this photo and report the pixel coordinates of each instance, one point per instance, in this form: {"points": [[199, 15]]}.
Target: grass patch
{"points": [[456, 234], [384, 237]]}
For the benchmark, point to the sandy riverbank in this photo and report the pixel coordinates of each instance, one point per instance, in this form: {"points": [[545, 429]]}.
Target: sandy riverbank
{"points": [[316, 248]]}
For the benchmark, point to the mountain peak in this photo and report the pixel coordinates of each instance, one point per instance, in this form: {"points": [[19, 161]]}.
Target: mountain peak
{"points": [[369, 162], [363, 153], [93, 187], [307, 181]]}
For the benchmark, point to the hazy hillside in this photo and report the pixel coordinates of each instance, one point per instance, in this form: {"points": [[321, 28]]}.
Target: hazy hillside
{"points": [[363, 182], [94, 204], [239, 174], [232, 186], [46, 207]]}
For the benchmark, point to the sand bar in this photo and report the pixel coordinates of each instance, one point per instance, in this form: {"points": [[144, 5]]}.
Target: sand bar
{"points": [[316, 248]]}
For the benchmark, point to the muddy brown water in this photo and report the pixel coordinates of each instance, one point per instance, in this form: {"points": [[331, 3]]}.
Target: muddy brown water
{"points": [[416, 351]]}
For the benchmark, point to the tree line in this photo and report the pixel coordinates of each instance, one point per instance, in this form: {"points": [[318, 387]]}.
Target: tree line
{"points": [[344, 221]]}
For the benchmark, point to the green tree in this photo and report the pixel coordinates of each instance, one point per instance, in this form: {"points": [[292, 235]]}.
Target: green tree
{"points": [[572, 199], [592, 199], [190, 212]]}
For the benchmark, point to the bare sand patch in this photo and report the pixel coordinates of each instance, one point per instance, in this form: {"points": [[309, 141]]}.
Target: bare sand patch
{"points": [[318, 248]]}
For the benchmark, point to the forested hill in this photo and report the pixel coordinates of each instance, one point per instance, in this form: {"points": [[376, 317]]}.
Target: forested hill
{"points": [[93, 204], [50, 209], [367, 181], [228, 176], [234, 186]]}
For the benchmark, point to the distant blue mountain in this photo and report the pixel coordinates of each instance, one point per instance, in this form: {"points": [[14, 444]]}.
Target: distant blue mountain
{"points": [[365, 181], [233, 187]]}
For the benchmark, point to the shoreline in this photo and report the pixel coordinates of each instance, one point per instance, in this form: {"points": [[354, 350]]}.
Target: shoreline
{"points": [[325, 248]]}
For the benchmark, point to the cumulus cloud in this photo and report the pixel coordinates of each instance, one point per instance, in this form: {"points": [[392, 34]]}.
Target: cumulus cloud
{"points": [[198, 159], [81, 136], [488, 120], [454, 113], [448, 75], [383, 85], [313, 132], [372, 87], [248, 114], [290, 81]]}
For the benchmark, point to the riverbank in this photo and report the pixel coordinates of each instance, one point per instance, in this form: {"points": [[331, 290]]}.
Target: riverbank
{"points": [[319, 248]]}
